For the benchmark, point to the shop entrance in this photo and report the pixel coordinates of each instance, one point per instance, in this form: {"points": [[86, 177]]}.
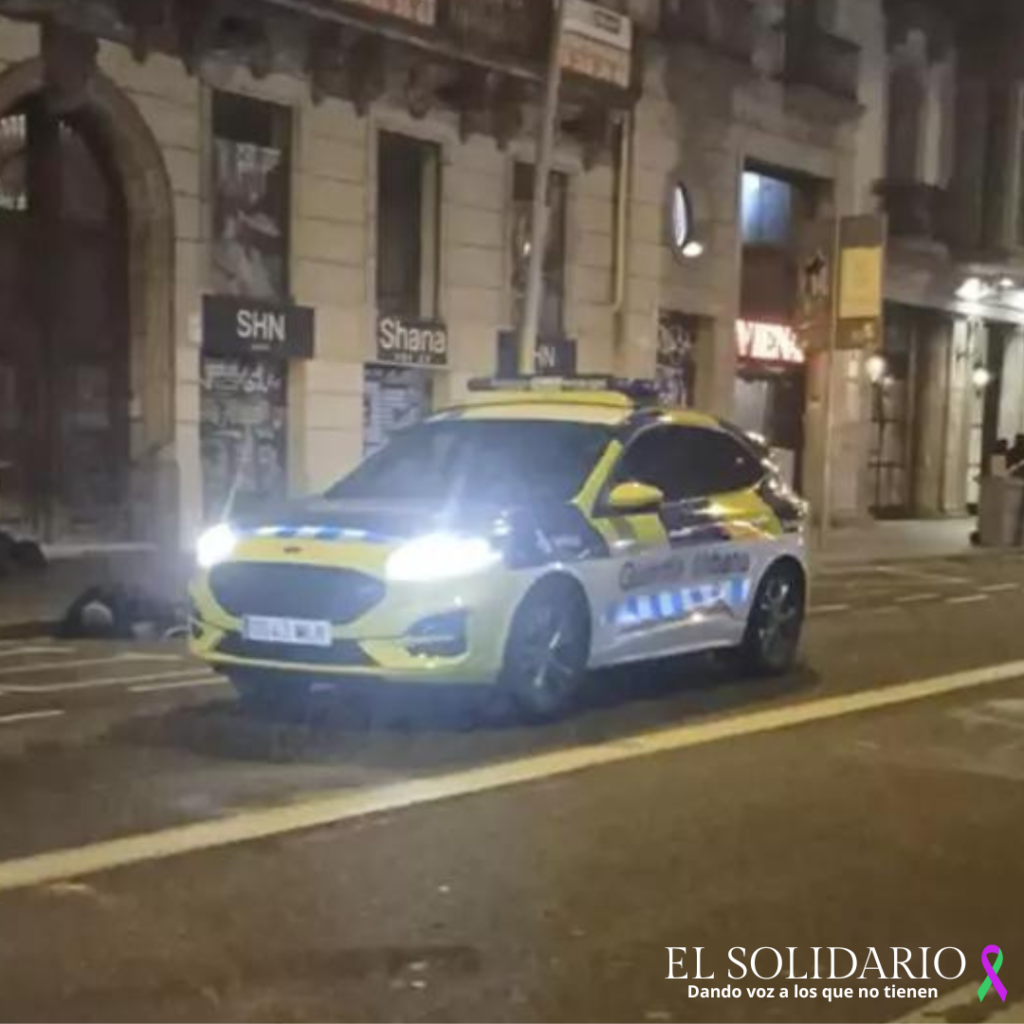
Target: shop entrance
{"points": [[64, 373], [771, 392]]}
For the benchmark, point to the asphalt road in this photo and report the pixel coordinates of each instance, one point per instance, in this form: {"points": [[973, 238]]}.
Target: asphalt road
{"points": [[163, 856]]}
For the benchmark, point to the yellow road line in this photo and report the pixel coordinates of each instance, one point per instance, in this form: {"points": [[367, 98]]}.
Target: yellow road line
{"points": [[345, 805]]}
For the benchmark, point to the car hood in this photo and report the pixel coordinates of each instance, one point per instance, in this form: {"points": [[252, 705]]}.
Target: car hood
{"points": [[374, 521]]}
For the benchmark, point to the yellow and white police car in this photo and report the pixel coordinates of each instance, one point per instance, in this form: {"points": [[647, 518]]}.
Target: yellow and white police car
{"points": [[541, 530]]}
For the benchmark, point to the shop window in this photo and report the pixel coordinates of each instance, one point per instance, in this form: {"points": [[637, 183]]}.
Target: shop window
{"points": [[676, 363], [906, 112], [767, 210], [394, 398], [251, 197], [552, 307], [408, 236]]}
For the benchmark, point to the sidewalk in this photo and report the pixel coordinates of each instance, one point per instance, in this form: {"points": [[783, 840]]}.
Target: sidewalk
{"points": [[898, 540], [33, 602]]}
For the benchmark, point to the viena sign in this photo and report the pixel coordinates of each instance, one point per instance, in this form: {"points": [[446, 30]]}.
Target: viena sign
{"points": [[406, 341], [768, 343]]}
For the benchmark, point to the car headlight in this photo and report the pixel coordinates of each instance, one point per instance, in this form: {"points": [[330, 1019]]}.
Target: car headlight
{"points": [[215, 545], [441, 556]]}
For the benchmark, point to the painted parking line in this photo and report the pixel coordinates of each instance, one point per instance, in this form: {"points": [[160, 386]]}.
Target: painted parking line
{"points": [[113, 659], [917, 598], [30, 716], [887, 609], [830, 609], [183, 684], [346, 805], [920, 574], [968, 599], [999, 588], [16, 652], [98, 684]]}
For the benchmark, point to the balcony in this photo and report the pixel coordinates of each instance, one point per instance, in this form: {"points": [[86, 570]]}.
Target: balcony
{"points": [[916, 210], [820, 60], [497, 29], [727, 27]]}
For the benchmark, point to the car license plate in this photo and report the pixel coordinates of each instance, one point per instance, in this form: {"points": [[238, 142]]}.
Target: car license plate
{"points": [[288, 631]]}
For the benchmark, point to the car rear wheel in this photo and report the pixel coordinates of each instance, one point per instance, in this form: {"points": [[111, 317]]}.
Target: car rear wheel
{"points": [[547, 650], [272, 696], [772, 637]]}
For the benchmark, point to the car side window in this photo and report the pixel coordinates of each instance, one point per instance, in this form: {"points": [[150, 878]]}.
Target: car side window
{"points": [[686, 463], [725, 464], [659, 457]]}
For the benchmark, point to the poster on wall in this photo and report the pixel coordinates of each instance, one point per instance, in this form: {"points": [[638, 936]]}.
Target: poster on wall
{"points": [[243, 434], [676, 366], [393, 398], [250, 236]]}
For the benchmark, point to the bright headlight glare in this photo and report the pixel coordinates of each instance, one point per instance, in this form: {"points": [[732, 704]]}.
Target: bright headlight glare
{"points": [[440, 556], [215, 545]]}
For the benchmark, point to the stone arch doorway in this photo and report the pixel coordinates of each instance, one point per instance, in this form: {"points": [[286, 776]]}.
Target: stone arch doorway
{"points": [[86, 350]]}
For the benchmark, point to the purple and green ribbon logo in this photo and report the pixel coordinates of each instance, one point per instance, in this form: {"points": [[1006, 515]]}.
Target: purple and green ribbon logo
{"points": [[992, 970]]}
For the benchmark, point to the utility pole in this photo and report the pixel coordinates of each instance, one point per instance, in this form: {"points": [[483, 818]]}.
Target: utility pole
{"points": [[542, 173], [829, 412]]}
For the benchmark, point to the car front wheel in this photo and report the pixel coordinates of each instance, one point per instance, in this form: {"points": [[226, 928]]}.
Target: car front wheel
{"points": [[547, 650]]}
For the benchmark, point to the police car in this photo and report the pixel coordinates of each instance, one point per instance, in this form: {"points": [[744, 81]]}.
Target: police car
{"points": [[544, 529]]}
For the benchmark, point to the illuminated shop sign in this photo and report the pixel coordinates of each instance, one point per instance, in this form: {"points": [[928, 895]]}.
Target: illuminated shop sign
{"points": [[768, 343], [411, 341]]}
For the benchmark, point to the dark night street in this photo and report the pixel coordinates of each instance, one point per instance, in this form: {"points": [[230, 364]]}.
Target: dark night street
{"points": [[682, 806]]}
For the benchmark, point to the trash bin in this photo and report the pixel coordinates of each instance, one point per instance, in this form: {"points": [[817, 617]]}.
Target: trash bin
{"points": [[1001, 512]]}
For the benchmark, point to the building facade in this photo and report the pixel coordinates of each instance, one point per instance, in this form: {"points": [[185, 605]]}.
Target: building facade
{"points": [[242, 244], [770, 115], [953, 378]]}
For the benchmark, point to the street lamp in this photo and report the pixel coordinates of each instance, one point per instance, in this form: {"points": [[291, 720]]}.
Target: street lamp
{"points": [[981, 377], [875, 367]]}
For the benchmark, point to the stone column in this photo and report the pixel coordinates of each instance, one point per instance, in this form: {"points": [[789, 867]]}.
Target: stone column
{"points": [[930, 430]]}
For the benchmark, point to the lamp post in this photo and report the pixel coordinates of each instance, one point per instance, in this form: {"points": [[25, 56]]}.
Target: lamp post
{"points": [[539, 215]]}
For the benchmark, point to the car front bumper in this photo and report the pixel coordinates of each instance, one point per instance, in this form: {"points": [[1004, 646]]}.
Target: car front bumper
{"points": [[443, 632]]}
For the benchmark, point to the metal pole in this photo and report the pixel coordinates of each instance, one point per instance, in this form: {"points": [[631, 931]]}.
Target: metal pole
{"points": [[829, 410], [539, 218]]}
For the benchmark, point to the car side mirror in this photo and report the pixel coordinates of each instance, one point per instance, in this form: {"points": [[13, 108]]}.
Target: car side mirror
{"points": [[635, 497]]}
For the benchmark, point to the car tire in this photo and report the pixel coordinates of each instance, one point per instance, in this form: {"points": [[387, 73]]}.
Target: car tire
{"points": [[266, 696], [547, 650], [772, 637]]}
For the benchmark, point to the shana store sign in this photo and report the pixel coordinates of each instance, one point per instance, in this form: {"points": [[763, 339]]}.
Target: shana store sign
{"points": [[412, 342]]}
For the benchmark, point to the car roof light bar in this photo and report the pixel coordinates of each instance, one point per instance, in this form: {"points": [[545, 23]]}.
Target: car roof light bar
{"points": [[638, 390]]}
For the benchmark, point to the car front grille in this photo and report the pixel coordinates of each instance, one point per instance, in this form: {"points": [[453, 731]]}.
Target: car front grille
{"points": [[288, 591]]}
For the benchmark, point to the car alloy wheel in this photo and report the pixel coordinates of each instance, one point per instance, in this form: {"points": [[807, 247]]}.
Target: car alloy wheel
{"points": [[776, 622], [547, 649]]}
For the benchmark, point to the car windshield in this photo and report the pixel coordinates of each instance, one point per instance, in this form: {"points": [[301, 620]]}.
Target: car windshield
{"points": [[480, 460]]}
